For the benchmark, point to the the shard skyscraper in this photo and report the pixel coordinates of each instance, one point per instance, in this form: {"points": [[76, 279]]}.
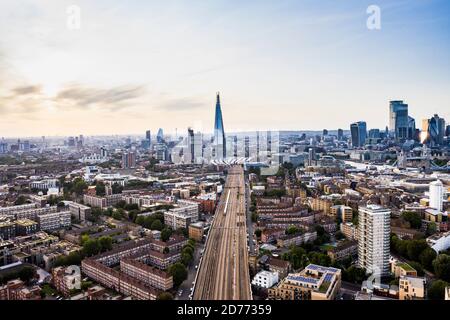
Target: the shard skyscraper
{"points": [[219, 133]]}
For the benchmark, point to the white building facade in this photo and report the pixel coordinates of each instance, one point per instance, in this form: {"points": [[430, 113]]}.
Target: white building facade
{"points": [[374, 239]]}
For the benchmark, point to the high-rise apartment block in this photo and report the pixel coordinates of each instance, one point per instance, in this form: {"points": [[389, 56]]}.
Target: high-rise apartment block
{"points": [[374, 239]]}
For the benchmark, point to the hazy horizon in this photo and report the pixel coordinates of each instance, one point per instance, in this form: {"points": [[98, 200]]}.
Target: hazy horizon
{"points": [[286, 65]]}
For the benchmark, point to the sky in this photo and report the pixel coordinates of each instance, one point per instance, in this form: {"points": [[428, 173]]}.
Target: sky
{"points": [[286, 64]]}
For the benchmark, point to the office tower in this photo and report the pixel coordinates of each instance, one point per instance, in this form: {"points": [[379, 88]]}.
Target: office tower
{"points": [[198, 147], [358, 132], [190, 147], [247, 146], [374, 239], [447, 131], [436, 194], [311, 156], [219, 132], [148, 136], [324, 132], [340, 134], [434, 130], [374, 133], [128, 160], [103, 152], [160, 136], [411, 128], [398, 119], [71, 142]]}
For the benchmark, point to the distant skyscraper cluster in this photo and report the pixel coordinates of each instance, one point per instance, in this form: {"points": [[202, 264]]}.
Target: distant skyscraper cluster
{"points": [[402, 128]]}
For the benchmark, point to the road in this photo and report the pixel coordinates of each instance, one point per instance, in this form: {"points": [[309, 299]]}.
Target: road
{"points": [[186, 286], [249, 220], [224, 272]]}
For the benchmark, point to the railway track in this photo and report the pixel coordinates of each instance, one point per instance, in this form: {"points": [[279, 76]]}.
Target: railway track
{"points": [[223, 273]]}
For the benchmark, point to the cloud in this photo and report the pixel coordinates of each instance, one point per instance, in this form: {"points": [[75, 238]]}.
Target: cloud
{"points": [[183, 104], [26, 90], [113, 99]]}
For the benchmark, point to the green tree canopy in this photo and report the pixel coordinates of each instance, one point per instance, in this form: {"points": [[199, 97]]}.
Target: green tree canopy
{"points": [[413, 218], [437, 290], [157, 225], [165, 234], [179, 273], [441, 267]]}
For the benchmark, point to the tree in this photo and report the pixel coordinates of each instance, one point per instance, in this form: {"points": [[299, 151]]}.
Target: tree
{"points": [[116, 188], [296, 256], [165, 234], [131, 206], [432, 229], [91, 247], [437, 290], [414, 219], [254, 217], [79, 185], [120, 204], [258, 233], [441, 267], [418, 267], [292, 230], [20, 200], [179, 273], [157, 225], [105, 243], [415, 247], [118, 214], [165, 296], [188, 249], [27, 273], [83, 239], [140, 220], [339, 235], [354, 274], [100, 189], [186, 258], [426, 258]]}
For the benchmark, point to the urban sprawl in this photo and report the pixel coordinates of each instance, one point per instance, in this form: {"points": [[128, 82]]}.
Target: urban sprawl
{"points": [[354, 214]]}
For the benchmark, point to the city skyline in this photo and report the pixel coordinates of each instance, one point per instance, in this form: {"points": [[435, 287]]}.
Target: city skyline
{"points": [[142, 75]]}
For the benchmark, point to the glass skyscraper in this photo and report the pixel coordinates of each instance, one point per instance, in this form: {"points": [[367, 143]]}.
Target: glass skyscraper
{"points": [[358, 132], [398, 120], [219, 132]]}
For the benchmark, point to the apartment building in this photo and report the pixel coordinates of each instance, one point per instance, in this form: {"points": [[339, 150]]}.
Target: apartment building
{"points": [[282, 267], [16, 290], [118, 281], [313, 283], [322, 204], [296, 239], [25, 227], [345, 213], [185, 213], [196, 231], [147, 274], [7, 229], [102, 202], [54, 220], [5, 211], [78, 211], [265, 279], [65, 280], [343, 251], [412, 288], [349, 230], [374, 239], [400, 269]]}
